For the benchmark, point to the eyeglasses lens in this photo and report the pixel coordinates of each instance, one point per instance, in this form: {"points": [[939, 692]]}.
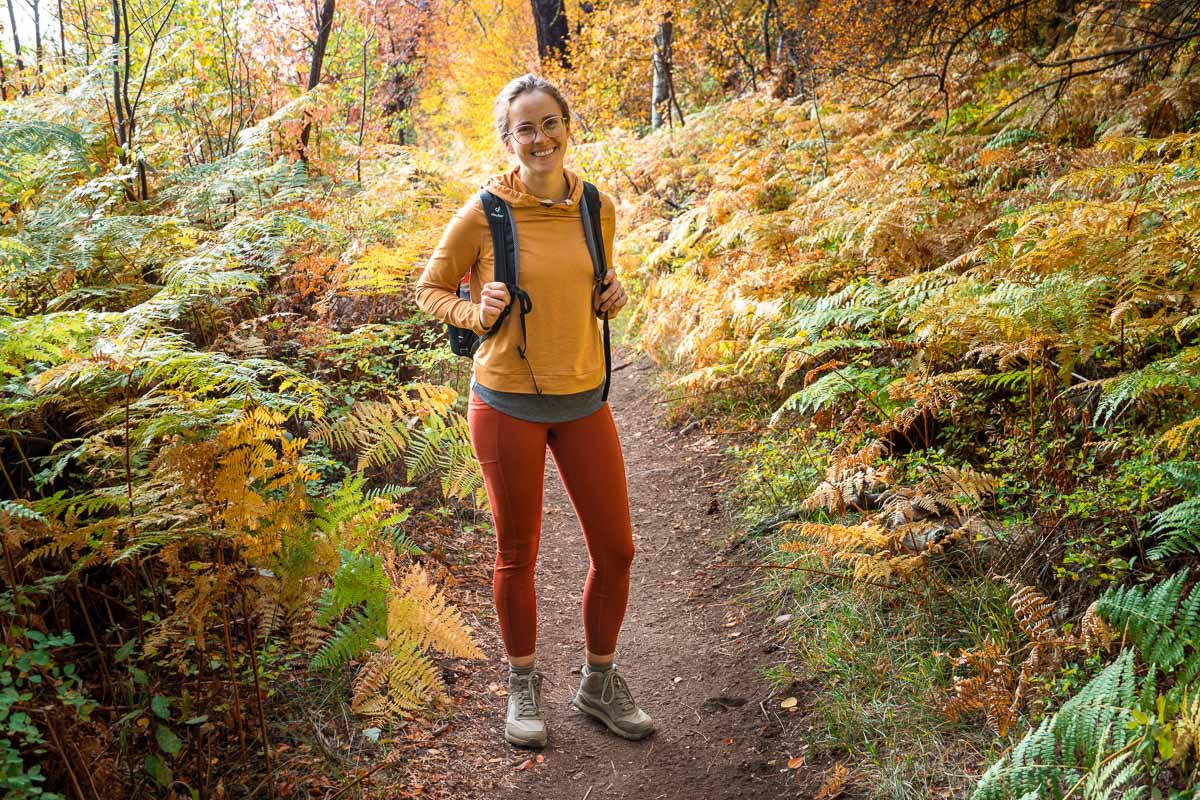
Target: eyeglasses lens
{"points": [[525, 134]]}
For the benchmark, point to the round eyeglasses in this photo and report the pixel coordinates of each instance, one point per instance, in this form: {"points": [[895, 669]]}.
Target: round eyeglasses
{"points": [[526, 132]]}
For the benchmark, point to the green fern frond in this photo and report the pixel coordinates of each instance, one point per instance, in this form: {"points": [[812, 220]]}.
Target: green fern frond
{"points": [[1056, 754], [350, 639], [832, 386], [1160, 622], [1179, 373]]}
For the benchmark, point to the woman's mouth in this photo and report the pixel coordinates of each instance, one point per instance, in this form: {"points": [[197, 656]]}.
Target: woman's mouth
{"points": [[543, 153]]}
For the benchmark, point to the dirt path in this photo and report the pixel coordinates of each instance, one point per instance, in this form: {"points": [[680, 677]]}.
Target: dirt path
{"points": [[691, 655]]}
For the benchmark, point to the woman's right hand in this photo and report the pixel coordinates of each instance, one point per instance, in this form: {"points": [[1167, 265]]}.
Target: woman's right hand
{"points": [[492, 301]]}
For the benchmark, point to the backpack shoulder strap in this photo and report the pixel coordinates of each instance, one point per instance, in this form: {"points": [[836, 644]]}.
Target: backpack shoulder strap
{"points": [[595, 242], [503, 246], [591, 196]]}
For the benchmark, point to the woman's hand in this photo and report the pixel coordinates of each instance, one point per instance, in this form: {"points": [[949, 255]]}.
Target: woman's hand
{"points": [[613, 298], [493, 299]]}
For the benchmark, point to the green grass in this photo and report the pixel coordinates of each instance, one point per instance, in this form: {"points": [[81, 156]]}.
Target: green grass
{"points": [[870, 655]]}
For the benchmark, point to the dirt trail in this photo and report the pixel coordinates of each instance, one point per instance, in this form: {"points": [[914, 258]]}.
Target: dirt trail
{"points": [[692, 657]]}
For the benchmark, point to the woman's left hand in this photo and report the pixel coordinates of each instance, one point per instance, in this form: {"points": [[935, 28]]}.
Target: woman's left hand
{"points": [[613, 298]]}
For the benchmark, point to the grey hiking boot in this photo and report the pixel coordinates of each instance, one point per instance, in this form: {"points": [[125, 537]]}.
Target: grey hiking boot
{"points": [[605, 695], [526, 723]]}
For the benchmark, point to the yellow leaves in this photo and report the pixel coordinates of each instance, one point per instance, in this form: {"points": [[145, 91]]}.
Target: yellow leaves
{"points": [[249, 478], [419, 613]]}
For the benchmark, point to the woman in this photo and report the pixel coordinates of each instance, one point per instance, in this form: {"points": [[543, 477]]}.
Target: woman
{"points": [[543, 388]]}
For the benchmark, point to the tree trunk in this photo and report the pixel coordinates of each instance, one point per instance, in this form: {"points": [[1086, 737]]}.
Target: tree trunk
{"points": [[36, 7], [12, 18], [768, 10], [62, 43], [324, 26], [118, 95], [663, 89], [550, 19], [3, 79]]}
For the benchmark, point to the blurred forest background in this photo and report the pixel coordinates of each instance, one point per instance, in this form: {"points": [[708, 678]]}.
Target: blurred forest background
{"points": [[932, 267]]}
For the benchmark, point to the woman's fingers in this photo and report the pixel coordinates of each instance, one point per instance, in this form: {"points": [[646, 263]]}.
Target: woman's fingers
{"points": [[492, 301], [613, 298]]}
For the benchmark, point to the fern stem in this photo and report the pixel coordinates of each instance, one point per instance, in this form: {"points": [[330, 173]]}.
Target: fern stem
{"points": [[8, 479], [237, 698], [262, 720], [87, 618], [1032, 430], [62, 753], [24, 460], [1107, 759]]}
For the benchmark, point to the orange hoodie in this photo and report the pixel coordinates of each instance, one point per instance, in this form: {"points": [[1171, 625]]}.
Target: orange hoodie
{"points": [[564, 344]]}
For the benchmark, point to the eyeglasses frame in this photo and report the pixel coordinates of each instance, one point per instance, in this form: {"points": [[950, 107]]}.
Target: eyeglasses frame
{"points": [[538, 126]]}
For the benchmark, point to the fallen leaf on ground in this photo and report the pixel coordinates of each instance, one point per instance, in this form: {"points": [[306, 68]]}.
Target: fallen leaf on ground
{"points": [[526, 764], [796, 763], [789, 702], [835, 782], [540, 758]]}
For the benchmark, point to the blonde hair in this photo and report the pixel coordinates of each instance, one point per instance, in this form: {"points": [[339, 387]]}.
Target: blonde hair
{"points": [[519, 86]]}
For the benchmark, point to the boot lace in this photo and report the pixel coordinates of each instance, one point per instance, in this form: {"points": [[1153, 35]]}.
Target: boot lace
{"points": [[528, 687], [615, 691]]}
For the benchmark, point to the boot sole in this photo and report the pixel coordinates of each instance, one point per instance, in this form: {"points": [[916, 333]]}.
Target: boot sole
{"points": [[583, 706], [536, 743]]}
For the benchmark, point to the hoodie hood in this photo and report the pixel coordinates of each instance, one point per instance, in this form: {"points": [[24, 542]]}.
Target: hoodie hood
{"points": [[509, 187]]}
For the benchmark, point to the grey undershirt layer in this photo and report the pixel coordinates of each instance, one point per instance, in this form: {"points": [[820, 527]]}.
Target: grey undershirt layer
{"points": [[542, 407]]}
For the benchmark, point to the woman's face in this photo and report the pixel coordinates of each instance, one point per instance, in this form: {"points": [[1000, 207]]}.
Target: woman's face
{"points": [[543, 156]]}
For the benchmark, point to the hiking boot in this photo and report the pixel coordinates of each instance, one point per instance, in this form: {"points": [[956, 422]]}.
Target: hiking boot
{"points": [[526, 723], [604, 695]]}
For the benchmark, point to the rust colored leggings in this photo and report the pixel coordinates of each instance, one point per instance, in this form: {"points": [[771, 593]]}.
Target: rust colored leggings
{"points": [[512, 453]]}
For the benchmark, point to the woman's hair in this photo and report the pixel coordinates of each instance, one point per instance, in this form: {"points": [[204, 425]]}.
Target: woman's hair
{"points": [[519, 86]]}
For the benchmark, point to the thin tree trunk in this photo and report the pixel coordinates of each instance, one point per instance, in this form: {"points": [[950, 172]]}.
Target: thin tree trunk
{"points": [[324, 26], [659, 95], [12, 18], [362, 117], [766, 31], [550, 20], [3, 79], [36, 7], [62, 43], [118, 99]]}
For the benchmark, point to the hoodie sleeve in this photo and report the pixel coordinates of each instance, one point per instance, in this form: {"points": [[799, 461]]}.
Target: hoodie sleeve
{"points": [[456, 252]]}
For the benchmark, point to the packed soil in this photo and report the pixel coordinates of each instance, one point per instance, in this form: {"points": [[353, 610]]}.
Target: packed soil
{"points": [[692, 651]]}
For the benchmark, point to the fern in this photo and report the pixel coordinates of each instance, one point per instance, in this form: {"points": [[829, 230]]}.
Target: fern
{"points": [[1052, 757], [835, 384], [1179, 526], [1011, 138], [350, 639], [1179, 373], [1160, 622]]}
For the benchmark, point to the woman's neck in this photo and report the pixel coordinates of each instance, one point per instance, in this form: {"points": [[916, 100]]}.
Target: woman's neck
{"points": [[550, 187]]}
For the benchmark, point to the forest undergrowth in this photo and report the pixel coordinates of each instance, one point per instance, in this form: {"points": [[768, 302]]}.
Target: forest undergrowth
{"points": [[951, 322], [958, 340]]}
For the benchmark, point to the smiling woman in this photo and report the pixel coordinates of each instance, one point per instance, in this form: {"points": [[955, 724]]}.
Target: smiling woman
{"points": [[539, 382]]}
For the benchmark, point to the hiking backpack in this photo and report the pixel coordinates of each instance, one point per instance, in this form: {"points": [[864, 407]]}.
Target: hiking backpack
{"points": [[464, 341]]}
